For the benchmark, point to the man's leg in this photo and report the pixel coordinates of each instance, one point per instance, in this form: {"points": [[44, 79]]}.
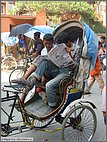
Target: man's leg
{"points": [[91, 81], [100, 81], [46, 66], [40, 71], [51, 88], [30, 70]]}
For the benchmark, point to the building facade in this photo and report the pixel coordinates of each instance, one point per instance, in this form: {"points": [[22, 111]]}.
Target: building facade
{"points": [[100, 9], [9, 21]]}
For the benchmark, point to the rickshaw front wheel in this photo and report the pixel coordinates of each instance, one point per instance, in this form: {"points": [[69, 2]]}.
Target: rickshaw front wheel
{"points": [[4, 130]]}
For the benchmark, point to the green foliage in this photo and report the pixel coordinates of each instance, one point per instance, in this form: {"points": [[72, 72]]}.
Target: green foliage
{"points": [[25, 7], [58, 8], [11, 12], [98, 27], [95, 25], [55, 7]]}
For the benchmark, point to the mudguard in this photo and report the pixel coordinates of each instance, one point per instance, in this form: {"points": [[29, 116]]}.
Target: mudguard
{"points": [[77, 102]]}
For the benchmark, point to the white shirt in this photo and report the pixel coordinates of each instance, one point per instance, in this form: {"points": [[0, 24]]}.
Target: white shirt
{"points": [[44, 50]]}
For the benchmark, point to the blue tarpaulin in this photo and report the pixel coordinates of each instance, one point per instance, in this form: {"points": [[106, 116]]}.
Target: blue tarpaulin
{"points": [[43, 29], [92, 44]]}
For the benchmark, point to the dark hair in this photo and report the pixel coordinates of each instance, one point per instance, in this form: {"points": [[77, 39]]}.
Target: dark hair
{"points": [[37, 34], [99, 42], [20, 35], [63, 38], [48, 37], [102, 37]]}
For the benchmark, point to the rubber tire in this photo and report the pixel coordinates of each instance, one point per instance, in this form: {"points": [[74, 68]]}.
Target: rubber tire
{"points": [[74, 110]]}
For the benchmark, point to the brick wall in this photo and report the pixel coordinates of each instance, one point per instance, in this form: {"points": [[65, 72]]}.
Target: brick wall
{"points": [[7, 20], [40, 18]]}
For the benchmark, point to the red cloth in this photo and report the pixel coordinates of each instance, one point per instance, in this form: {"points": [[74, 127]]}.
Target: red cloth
{"points": [[96, 70]]}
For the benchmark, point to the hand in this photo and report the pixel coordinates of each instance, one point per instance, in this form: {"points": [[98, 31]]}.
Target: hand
{"points": [[68, 49]]}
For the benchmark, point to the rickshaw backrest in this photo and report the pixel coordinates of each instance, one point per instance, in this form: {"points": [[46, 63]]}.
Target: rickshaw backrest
{"points": [[82, 65]]}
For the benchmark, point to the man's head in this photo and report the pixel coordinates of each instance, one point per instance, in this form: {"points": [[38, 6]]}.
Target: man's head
{"points": [[37, 35], [20, 36], [64, 38], [102, 39], [48, 41]]}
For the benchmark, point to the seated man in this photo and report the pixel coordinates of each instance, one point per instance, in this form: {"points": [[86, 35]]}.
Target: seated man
{"points": [[49, 67], [48, 43]]}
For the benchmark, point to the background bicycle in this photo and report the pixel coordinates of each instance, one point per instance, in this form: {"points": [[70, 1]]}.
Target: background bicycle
{"points": [[21, 69], [9, 61]]}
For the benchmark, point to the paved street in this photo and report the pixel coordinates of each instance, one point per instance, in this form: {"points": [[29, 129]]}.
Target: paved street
{"points": [[38, 135]]}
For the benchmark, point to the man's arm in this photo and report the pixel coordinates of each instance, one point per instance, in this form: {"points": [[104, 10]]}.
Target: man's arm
{"points": [[69, 51], [37, 50], [35, 54], [31, 46]]}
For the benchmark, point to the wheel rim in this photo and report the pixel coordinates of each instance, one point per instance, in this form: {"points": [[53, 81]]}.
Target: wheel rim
{"points": [[9, 63], [79, 125], [4, 134], [15, 74], [4, 130]]}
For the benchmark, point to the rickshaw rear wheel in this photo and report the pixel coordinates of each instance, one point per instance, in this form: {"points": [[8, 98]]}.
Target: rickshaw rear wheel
{"points": [[79, 124], [42, 124]]}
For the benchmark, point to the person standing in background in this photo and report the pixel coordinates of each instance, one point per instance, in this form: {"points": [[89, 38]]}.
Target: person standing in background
{"points": [[103, 43], [95, 74]]}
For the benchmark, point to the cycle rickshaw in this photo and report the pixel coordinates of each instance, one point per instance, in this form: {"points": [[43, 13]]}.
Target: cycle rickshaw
{"points": [[75, 114]]}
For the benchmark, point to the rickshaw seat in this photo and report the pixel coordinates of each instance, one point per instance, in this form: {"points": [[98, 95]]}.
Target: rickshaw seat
{"points": [[39, 110]]}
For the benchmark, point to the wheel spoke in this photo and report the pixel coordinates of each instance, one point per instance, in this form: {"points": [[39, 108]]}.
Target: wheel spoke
{"points": [[79, 125], [42, 124]]}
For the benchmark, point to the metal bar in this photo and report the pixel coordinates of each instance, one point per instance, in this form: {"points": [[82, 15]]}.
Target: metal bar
{"points": [[8, 98], [10, 117], [4, 111]]}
